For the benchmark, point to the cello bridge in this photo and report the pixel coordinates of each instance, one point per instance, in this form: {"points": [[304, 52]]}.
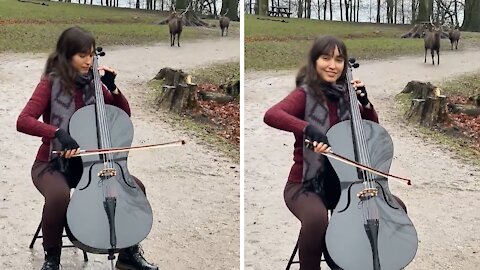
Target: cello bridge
{"points": [[367, 193], [107, 172]]}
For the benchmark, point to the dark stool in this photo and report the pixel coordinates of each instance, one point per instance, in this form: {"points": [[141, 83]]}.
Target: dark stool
{"points": [[292, 257], [36, 236]]}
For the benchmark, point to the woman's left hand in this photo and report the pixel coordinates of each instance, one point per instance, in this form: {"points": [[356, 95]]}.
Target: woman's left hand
{"points": [[109, 77], [361, 92]]}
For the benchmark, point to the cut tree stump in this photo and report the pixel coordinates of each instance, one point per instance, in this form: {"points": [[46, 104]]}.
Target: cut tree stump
{"points": [[421, 90], [178, 94], [428, 107], [178, 99]]}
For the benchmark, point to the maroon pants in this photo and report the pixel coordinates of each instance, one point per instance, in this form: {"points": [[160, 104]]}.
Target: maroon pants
{"points": [[56, 190], [309, 208]]}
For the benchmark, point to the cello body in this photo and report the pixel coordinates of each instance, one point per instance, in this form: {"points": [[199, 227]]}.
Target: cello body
{"points": [[348, 244], [86, 215]]}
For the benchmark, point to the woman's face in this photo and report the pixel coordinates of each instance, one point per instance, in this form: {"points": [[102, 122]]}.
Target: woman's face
{"points": [[329, 67], [82, 62]]}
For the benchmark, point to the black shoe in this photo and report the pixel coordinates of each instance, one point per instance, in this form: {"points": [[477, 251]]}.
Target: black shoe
{"points": [[52, 259], [132, 259]]}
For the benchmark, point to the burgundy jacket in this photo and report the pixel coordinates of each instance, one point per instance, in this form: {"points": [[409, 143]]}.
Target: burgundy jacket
{"points": [[39, 105], [288, 115]]}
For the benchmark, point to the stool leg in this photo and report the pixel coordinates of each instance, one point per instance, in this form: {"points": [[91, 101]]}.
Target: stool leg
{"points": [[85, 257], [290, 261], [36, 235]]}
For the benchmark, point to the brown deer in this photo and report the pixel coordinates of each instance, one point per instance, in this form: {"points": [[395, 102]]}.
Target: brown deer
{"points": [[175, 24], [454, 36], [432, 42], [224, 22]]}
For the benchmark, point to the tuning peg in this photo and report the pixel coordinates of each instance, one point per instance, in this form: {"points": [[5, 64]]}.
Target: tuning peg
{"points": [[99, 49], [101, 53], [356, 65], [352, 60]]}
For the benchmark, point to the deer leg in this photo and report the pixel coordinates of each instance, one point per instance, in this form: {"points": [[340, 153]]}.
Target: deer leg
{"points": [[438, 57], [171, 39], [226, 34], [425, 56], [178, 40], [456, 45], [433, 56]]}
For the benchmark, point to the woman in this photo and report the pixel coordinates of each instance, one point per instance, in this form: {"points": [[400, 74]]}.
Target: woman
{"points": [[319, 102], [66, 86]]}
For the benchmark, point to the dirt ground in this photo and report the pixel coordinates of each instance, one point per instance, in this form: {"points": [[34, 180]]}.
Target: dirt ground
{"points": [[193, 190], [442, 202]]}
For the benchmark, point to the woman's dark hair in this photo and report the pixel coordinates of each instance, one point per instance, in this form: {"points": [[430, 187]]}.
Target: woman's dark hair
{"points": [[72, 41], [321, 46]]}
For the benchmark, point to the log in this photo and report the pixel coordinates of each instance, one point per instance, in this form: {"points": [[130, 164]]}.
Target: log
{"points": [[475, 99], [232, 88], [178, 99], [470, 110], [215, 96]]}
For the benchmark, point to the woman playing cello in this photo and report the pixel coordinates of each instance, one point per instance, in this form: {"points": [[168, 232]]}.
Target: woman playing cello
{"points": [[66, 86], [318, 103]]}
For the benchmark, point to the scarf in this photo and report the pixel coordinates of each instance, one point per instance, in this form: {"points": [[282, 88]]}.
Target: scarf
{"points": [[317, 114], [62, 103]]}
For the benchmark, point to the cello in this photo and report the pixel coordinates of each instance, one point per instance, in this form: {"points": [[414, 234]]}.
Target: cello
{"points": [[368, 229], [108, 211]]}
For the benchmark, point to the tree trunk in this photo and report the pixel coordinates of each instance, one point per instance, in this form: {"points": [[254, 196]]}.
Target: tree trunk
{"points": [[263, 7], [472, 18], [378, 11], [425, 8], [341, 11], [300, 9]]}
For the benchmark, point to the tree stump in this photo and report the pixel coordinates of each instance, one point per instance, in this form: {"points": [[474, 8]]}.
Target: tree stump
{"points": [[428, 107], [171, 76], [178, 99], [420, 90], [178, 94]]}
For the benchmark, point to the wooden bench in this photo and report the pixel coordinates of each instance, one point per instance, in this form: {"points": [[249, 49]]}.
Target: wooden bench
{"points": [[279, 12]]}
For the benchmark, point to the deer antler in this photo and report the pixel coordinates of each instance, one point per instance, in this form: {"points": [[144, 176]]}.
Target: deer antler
{"points": [[187, 8], [225, 13]]}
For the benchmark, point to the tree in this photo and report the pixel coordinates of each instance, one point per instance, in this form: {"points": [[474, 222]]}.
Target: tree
{"points": [[472, 20], [232, 6], [262, 7], [425, 8]]}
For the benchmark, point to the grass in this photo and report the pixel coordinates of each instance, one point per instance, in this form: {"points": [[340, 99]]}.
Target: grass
{"points": [[277, 45], [466, 85], [26, 27], [217, 74]]}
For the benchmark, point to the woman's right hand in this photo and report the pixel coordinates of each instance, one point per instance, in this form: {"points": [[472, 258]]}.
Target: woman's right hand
{"points": [[321, 147], [69, 145]]}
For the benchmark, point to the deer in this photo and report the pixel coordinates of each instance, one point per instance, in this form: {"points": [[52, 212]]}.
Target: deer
{"points": [[432, 42], [454, 36], [224, 22], [175, 24]]}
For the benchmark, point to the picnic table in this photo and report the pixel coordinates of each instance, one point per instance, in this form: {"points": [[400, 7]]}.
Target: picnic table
{"points": [[279, 12]]}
